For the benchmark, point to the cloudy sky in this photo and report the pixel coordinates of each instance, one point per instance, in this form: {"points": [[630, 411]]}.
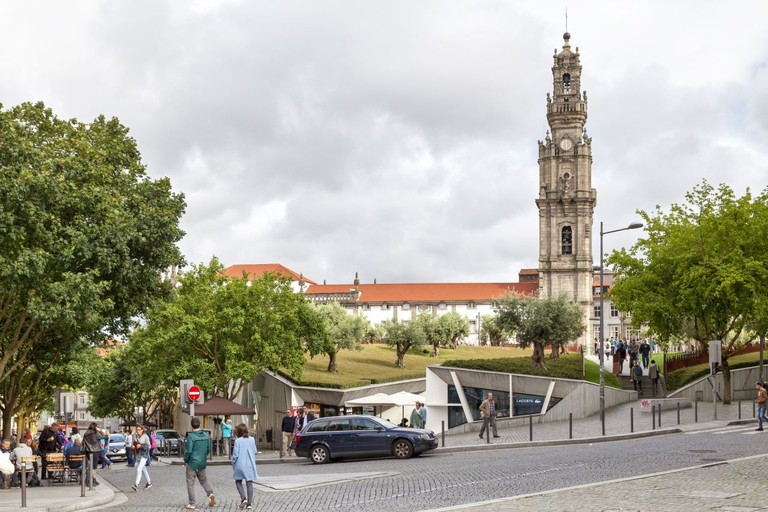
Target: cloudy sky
{"points": [[399, 138]]}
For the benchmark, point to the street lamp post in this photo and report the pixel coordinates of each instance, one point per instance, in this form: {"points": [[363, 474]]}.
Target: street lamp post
{"points": [[634, 225]]}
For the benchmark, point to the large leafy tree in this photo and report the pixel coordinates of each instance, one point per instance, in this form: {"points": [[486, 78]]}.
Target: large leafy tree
{"points": [[342, 332], [491, 331], [404, 335], [701, 271], [223, 331], [443, 331], [540, 322], [84, 235]]}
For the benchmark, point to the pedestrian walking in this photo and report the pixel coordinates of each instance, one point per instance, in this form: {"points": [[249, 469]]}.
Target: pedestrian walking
{"points": [[622, 353], [645, 352], [488, 412], [244, 465], [416, 420], [637, 377], [653, 374], [198, 446], [130, 456], [286, 428], [762, 402], [142, 444], [226, 435], [92, 447]]}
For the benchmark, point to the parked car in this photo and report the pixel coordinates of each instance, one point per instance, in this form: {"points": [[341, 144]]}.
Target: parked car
{"points": [[360, 436], [169, 438], [116, 449]]}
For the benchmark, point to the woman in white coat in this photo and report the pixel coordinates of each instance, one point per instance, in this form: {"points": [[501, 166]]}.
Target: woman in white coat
{"points": [[244, 464]]}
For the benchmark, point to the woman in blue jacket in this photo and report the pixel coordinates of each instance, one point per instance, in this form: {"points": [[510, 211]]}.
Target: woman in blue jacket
{"points": [[244, 464]]}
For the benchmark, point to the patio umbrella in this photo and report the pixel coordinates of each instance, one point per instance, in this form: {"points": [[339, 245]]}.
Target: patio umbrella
{"points": [[403, 398]]}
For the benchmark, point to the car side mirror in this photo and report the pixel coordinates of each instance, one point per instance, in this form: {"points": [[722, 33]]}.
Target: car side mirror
{"points": [[379, 429]]}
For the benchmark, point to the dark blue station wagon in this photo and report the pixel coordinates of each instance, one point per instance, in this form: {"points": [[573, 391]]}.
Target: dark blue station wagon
{"points": [[360, 436]]}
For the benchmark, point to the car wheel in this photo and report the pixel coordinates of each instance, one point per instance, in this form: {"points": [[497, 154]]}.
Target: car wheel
{"points": [[403, 449], [319, 454]]}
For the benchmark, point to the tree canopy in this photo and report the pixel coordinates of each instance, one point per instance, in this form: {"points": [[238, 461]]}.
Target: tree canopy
{"points": [[491, 331], [84, 234], [403, 335], [536, 322], [223, 331], [342, 331], [701, 271]]}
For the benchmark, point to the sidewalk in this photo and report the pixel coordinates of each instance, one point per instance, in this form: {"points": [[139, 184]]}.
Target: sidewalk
{"points": [[56, 498], [734, 485]]}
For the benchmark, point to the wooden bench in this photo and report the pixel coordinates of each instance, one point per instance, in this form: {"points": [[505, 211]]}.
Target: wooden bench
{"points": [[56, 467]]}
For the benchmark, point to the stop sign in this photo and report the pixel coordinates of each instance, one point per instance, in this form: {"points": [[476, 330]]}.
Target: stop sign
{"points": [[194, 393]]}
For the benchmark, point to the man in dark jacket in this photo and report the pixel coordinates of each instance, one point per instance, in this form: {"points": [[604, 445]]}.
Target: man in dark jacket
{"points": [[287, 426], [197, 447], [48, 444]]}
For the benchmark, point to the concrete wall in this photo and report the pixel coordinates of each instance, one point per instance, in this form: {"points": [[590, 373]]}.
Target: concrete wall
{"points": [[742, 386], [579, 398]]}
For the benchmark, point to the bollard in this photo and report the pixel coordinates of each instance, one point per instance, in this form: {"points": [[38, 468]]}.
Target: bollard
{"points": [[82, 477], [89, 458], [530, 427], [23, 484], [696, 411], [488, 434], [753, 409], [281, 444], [443, 435], [678, 413], [739, 409], [631, 419], [659, 415], [653, 415], [570, 425]]}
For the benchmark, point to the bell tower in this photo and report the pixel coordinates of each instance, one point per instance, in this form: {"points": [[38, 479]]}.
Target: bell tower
{"points": [[566, 198]]}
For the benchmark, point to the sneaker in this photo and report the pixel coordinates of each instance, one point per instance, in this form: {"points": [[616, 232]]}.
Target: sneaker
{"points": [[190, 507], [148, 486], [480, 436], [135, 488], [243, 503], [496, 436], [96, 482], [211, 500], [249, 507], [758, 429]]}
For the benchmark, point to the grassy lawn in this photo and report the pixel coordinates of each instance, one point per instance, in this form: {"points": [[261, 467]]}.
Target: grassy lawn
{"points": [[375, 364], [683, 376]]}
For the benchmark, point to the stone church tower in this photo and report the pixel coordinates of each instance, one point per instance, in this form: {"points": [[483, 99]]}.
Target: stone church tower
{"points": [[566, 197]]}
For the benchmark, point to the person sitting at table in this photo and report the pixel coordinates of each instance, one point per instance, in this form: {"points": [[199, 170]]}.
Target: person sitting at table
{"points": [[74, 449]]}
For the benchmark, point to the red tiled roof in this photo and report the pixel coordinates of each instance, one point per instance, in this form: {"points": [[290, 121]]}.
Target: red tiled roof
{"points": [[426, 292], [528, 271], [258, 270]]}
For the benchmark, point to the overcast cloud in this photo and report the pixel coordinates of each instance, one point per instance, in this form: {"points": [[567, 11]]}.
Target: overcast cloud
{"points": [[398, 138]]}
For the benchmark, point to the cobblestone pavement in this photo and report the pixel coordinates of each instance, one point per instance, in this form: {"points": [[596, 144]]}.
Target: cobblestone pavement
{"points": [[733, 486], [442, 480]]}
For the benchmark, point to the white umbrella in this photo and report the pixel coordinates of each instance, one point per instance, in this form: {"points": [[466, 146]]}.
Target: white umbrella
{"points": [[377, 399], [404, 398]]}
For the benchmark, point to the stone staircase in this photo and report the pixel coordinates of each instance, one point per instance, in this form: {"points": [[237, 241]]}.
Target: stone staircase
{"points": [[661, 391]]}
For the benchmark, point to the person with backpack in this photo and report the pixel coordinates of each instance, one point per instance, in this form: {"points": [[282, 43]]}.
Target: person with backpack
{"points": [[92, 447], [637, 377], [762, 402]]}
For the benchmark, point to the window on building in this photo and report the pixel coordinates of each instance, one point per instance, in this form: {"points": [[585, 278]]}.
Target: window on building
{"points": [[384, 307], [614, 311], [633, 334], [597, 312], [441, 306], [471, 305], [615, 331], [82, 415], [567, 240], [425, 307], [406, 307], [473, 326], [366, 307], [81, 399], [598, 332]]}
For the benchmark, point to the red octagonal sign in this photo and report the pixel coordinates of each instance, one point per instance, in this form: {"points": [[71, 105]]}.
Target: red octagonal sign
{"points": [[194, 393]]}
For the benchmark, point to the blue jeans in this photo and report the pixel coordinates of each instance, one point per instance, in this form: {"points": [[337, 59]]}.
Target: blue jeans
{"points": [[761, 416], [646, 360]]}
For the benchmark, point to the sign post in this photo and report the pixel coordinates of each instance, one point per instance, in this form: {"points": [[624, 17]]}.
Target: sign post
{"points": [[193, 394]]}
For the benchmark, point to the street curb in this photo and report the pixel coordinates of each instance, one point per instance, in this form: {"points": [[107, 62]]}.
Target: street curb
{"points": [[490, 503], [478, 447], [103, 496]]}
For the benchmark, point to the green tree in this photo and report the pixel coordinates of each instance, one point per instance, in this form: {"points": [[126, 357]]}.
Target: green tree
{"points": [[85, 234], [454, 328], [342, 332], [403, 336], [540, 322], [223, 331], [491, 331], [701, 272]]}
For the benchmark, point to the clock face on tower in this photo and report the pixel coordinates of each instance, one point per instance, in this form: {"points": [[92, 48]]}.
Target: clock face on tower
{"points": [[566, 144]]}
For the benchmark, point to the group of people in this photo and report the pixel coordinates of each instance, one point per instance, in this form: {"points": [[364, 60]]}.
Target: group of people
{"points": [[292, 425], [418, 415], [243, 464]]}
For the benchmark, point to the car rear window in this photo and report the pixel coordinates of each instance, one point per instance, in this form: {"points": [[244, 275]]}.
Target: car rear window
{"points": [[317, 426], [169, 434], [116, 439]]}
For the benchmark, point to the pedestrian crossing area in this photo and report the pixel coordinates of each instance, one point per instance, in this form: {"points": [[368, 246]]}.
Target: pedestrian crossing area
{"points": [[747, 430]]}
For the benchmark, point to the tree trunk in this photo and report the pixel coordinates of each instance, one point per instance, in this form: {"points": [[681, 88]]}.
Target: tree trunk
{"points": [[332, 363], [726, 381], [555, 353], [435, 350], [401, 350], [537, 360]]}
